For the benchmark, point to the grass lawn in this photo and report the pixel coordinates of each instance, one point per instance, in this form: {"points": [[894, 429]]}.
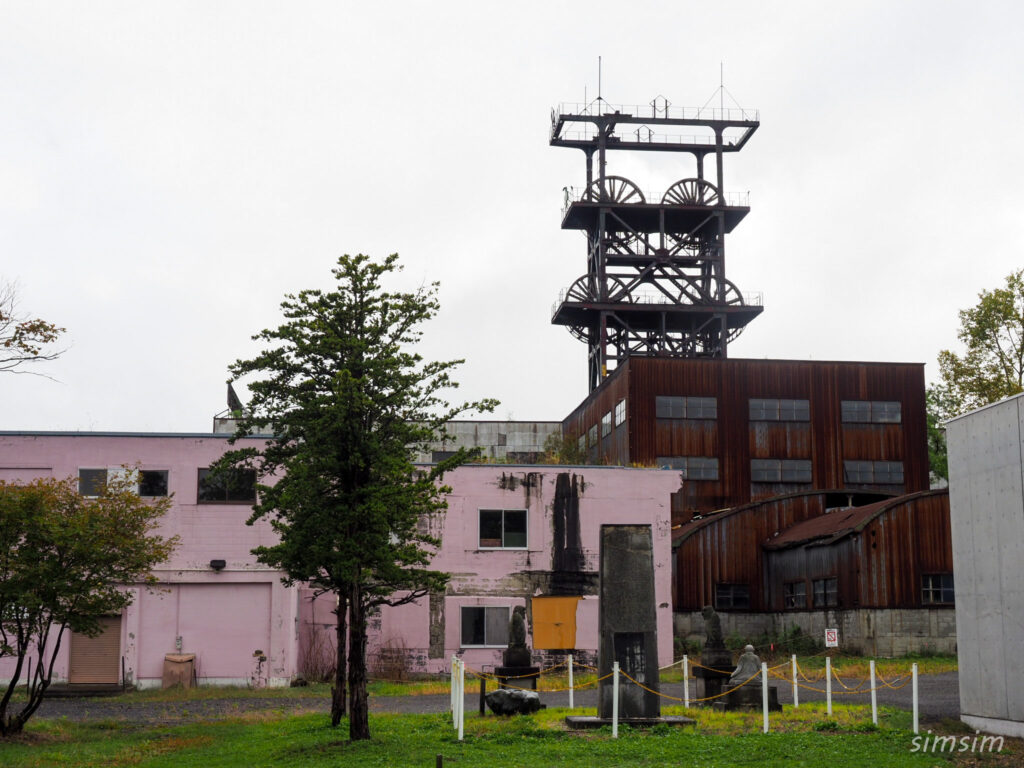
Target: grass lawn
{"points": [[804, 737]]}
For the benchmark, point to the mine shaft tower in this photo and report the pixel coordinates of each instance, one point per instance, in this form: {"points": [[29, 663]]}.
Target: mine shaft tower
{"points": [[655, 282]]}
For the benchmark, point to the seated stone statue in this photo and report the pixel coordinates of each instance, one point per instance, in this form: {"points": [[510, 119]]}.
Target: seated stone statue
{"points": [[749, 666]]}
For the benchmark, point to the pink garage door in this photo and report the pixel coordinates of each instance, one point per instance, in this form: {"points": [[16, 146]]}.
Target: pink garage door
{"points": [[223, 624]]}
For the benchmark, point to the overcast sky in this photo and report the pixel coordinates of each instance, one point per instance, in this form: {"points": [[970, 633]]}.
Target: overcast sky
{"points": [[169, 170]]}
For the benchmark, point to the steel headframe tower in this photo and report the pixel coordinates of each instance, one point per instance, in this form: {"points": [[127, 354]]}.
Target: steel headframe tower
{"points": [[655, 282]]}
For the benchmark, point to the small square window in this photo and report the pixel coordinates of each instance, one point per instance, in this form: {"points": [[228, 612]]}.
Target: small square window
{"points": [[503, 529], [153, 482], [732, 596], [91, 482], [232, 487], [826, 593], [485, 626], [691, 467], [620, 412], [794, 594], [937, 588]]}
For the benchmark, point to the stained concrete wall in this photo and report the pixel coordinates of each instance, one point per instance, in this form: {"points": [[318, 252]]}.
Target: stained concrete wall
{"points": [[515, 441], [986, 499], [879, 632]]}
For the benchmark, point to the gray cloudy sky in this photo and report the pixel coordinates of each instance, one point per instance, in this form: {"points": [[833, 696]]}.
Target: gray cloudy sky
{"points": [[169, 170]]}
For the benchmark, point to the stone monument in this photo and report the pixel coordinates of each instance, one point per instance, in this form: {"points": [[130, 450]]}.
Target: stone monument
{"points": [[517, 670], [627, 622], [716, 661]]}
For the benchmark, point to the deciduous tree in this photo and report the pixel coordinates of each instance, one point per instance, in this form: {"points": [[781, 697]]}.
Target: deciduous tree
{"points": [[347, 400], [990, 368], [64, 563], [23, 339]]}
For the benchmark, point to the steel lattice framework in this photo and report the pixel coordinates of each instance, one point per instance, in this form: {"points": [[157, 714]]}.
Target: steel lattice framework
{"points": [[655, 282]]}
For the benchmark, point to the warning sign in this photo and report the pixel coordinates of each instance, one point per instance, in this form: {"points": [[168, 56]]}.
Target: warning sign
{"points": [[831, 638]]}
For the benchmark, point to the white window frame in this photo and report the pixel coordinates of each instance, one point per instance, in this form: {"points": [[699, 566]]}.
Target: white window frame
{"points": [[479, 538], [485, 608]]}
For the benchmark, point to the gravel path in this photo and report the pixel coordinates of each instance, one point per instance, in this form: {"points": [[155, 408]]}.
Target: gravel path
{"points": [[939, 698]]}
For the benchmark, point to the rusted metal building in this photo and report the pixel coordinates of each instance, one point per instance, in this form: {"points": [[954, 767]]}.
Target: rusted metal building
{"points": [[881, 570], [741, 430]]}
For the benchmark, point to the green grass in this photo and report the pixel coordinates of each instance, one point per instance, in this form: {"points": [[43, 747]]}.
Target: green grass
{"points": [[804, 737]]}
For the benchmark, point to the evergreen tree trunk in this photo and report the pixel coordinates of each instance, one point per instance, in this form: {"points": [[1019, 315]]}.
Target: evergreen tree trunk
{"points": [[359, 711], [338, 689]]}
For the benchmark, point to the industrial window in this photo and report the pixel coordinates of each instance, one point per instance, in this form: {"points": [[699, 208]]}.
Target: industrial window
{"points": [[236, 486], [592, 436], [152, 482], [149, 482], [485, 626], [620, 412], [686, 407], [91, 482], [732, 596], [794, 594], [770, 409], [870, 411], [826, 592], [873, 472], [436, 457], [606, 424], [581, 443], [937, 588], [692, 467], [780, 470], [503, 529]]}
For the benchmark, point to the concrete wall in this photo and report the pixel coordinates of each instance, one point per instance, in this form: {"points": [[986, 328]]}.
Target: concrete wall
{"points": [[221, 616], [502, 440], [225, 616], [872, 631], [986, 495], [430, 629]]}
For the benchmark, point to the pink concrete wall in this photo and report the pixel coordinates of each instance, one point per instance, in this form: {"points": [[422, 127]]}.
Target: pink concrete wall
{"points": [[493, 577], [222, 616]]}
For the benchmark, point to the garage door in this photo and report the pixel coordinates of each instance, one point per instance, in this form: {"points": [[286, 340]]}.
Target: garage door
{"points": [[97, 659]]}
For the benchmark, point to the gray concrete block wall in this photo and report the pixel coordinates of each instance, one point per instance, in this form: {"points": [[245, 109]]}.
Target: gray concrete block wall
{"points": [[986, 499], [877, 632]]}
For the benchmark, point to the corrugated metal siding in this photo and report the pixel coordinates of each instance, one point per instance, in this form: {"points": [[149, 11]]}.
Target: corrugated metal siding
{"points": [[879, 567], [734, 440], [729, 550]]}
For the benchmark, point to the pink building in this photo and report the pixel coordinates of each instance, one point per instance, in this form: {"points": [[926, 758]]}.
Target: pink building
{"points": [[511, 536]]}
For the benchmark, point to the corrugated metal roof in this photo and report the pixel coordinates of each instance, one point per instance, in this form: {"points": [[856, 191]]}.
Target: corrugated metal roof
{"points": [[835, 525], [686, 530]]}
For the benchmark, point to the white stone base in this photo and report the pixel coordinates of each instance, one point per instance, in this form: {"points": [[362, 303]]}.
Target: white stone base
{"points": [[1013, 728]]}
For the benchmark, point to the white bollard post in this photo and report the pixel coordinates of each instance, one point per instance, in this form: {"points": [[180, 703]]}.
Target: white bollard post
{"points": [[451, 689], [796, 689], [570, 681], [913, 672], [686, 681], [462, 698], [828, 685], [764, 693], [874, 696], [615, 700]]}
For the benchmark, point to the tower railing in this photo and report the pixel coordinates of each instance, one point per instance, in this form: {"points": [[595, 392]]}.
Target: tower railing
{"points": [[660, 110]]}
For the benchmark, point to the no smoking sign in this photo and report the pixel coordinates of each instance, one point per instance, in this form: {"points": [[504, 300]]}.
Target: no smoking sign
{"points": [[831, 638]]}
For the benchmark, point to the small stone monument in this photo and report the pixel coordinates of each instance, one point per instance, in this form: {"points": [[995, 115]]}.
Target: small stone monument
{"points": [[746, 692], [505, 702], [716, 661], [517, 670]]}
